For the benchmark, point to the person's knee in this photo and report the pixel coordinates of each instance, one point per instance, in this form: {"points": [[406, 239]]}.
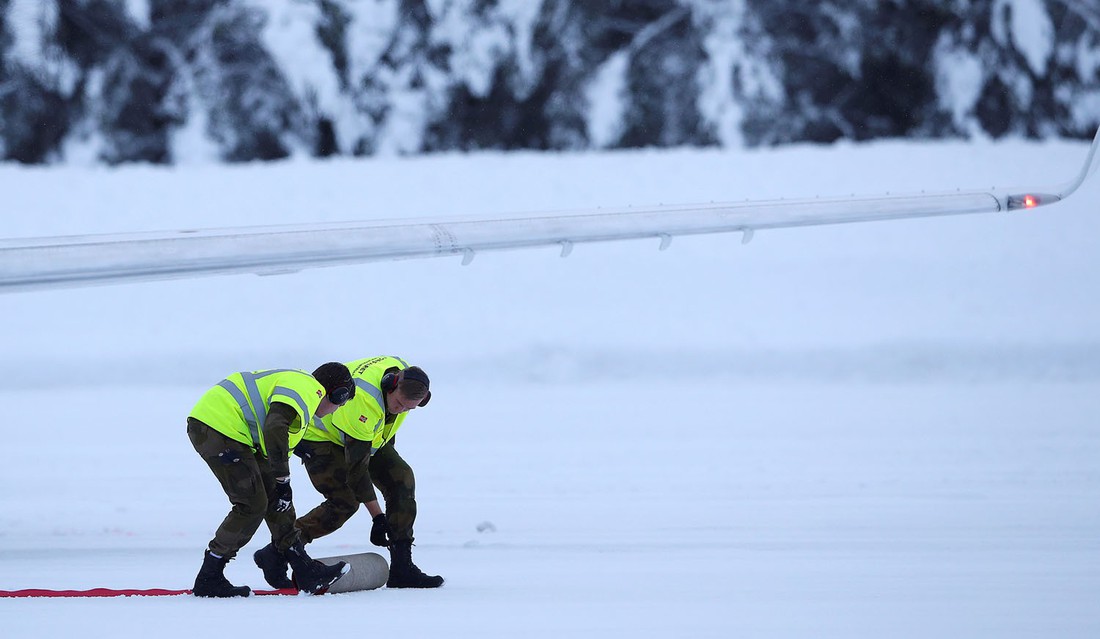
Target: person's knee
{"points": [[400, 494], [345, 506], [252, 506], [321, 521], [402, 480]]}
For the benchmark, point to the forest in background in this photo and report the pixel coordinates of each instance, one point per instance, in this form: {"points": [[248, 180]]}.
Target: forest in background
{"points": [[166, 81]]}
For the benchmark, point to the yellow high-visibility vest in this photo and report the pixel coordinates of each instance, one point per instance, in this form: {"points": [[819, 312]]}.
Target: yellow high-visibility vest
{"points": [[237, 407], [364, 416]]}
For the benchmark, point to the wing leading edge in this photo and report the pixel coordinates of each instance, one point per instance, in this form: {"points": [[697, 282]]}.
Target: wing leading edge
{"points": [[60, 262]]}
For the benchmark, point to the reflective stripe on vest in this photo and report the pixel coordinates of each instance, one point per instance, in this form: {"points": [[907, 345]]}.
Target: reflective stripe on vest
{"points": [[373, 391], [319, 424], [377, 427], [375, 394], [255, 414], [293, 394]]}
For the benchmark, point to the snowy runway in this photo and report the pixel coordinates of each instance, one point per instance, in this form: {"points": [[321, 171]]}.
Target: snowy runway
{"points": [[862, 431]]}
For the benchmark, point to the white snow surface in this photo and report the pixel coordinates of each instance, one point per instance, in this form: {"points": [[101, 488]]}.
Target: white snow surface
{"points": [[871, 430]]}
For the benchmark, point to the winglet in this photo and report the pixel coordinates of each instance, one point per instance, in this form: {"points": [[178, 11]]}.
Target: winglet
{"points": [[1091, 162], [1019, 201]]}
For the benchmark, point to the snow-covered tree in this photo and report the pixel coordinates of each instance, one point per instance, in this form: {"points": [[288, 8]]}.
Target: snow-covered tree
{"points": [[1023, 67], [37, 81], [237, 80]]}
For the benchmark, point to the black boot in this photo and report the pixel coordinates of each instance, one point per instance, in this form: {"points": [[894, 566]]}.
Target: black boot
{"points": [[211, 581], [311, 575], [404, 573], [274, 564]]}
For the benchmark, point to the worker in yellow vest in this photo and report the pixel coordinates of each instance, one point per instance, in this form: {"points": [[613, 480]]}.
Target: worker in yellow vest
{"points": [[353, 450], [245, 428]]}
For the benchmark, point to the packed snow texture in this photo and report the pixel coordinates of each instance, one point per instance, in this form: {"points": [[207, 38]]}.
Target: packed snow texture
{"points": [[870, 430]]}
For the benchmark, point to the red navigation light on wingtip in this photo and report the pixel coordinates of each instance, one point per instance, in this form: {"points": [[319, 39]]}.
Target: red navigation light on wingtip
{"points": [[1030, 200]]}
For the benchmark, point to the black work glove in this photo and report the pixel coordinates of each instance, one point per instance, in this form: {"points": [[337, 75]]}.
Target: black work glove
{"points": [[380, 532], [283, 495]]}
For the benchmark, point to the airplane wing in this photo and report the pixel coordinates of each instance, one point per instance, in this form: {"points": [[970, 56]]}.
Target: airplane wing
{"points": [[69, 261]]}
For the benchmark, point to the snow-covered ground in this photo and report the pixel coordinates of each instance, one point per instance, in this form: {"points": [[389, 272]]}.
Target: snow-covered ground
{"points": [[874, 430]]}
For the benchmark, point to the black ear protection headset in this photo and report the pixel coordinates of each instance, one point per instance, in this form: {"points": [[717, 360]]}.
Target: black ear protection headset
{"points": [[335, 377], [393, 376], [340, 395]]}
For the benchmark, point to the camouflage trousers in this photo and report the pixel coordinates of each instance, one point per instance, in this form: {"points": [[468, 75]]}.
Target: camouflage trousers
{"points": [[328, 470], [247, 480]]}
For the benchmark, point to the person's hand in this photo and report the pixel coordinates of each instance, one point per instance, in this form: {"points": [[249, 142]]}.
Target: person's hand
{"points": [[283, 495], [380, 533]]}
